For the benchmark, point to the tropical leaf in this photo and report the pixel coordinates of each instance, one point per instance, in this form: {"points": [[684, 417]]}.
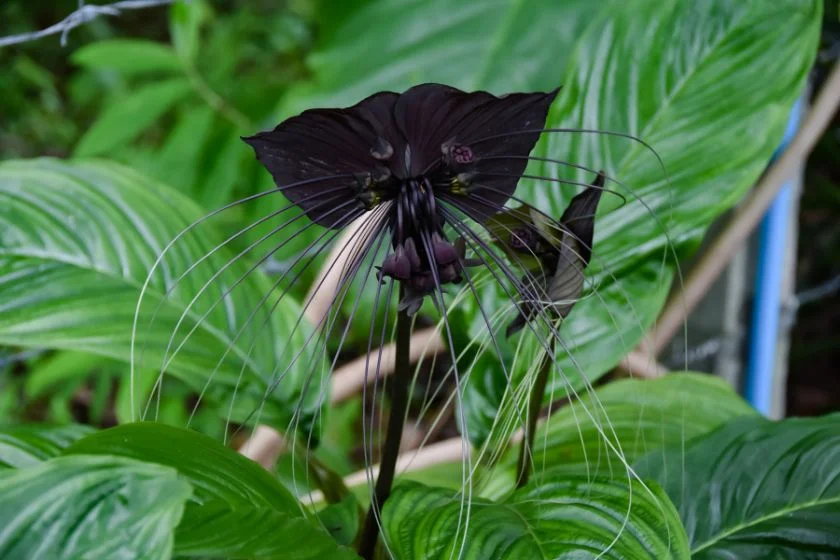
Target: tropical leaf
{"points": [[129, 57], [691, 80], [237, 509], [129, 115], [757, 489], [90, 507], [605, 431], [27, 445], [571, 518], [76, 242], [497, 45]]}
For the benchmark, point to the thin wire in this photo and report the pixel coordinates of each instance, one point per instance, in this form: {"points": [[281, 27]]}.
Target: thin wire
{"points": [[84, 14]]}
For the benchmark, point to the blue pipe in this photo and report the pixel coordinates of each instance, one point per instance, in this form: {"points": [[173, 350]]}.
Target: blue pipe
{"points": [[767, 308]]}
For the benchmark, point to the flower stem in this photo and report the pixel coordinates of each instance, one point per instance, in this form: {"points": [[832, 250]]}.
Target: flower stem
{"points": [[523, 470], [393, 435]]}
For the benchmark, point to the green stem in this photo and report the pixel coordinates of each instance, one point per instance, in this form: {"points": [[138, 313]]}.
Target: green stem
{"points": [[393, 435], [523, 470], [216, 101]]}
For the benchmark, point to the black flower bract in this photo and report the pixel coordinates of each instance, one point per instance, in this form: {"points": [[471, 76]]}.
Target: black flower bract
{"points": [[408, 151]]}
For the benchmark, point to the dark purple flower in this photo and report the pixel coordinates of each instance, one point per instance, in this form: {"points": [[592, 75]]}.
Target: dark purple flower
{"points": [[408, 153]]}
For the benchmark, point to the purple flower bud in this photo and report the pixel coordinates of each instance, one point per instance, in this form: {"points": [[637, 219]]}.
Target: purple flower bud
{"points": [[397, 265]]}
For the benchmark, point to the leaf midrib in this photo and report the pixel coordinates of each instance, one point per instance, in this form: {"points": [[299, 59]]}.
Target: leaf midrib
{"points": [[779, 513], [668, 100]]}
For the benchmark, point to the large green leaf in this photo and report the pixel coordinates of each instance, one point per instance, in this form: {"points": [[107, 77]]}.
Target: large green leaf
{"points": [[757, 489], [691, 80], [631, 417], [90, 507], [25, 446], [497, 45], [571, 518], [76, 242], [237, 508]]}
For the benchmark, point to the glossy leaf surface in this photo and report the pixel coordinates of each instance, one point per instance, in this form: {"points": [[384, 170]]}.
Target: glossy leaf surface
{"points": [[571, 518], [237, 509], [757, 489], [90, 507], [76, 242]]}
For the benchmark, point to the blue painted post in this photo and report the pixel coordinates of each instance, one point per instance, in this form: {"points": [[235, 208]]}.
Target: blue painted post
{"points": [[767, 307]]}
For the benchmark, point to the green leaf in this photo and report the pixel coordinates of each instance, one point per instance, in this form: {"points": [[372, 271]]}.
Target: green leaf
{"points": [[630, 416], [129, 57], [90, 507], [342, 519], [757, 489], [690, 79], [76, 242], [572, 518], [638, 416], [237, 509], [28, 445], [225, 170], [498, 45], [180, 157], [129, 115], [60, 369]]}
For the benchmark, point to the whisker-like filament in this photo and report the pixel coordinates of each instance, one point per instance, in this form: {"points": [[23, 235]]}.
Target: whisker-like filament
{"points": [[163, 252], [514, 280], [297, 324], [167, 359]]}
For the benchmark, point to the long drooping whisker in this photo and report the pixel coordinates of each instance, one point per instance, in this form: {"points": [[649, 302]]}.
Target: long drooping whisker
{"points": [[232, 344], [545, 344], [466, 470], [429, 398], [177, 238], [615, 448], [580, 131], [270, 389], [232, 261], [367, 426], [349, 273], [174, 284], [167, 359], [371, 245], [324, 239]]}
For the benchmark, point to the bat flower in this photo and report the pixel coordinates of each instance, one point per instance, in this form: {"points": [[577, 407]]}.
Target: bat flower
{"points": [[415, 158]]}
